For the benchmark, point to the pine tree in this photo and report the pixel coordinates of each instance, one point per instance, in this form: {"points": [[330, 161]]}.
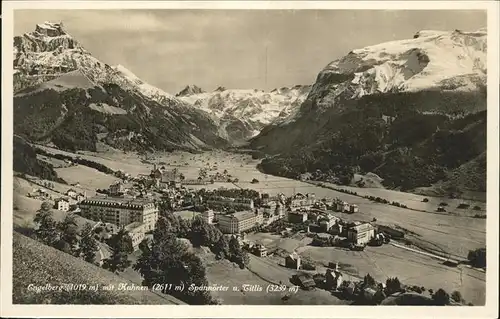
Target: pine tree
{"points": [[441, 297], [368, 281], [68, 229], [167, 260], [457, 296], [221, 248], [392, 285], [203, 234], [121, 245], [184, 228], [237, 254], [46, 231], [88, 245], [163, 228]]}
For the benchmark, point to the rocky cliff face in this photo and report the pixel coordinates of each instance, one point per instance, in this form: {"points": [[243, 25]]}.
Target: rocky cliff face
{"points": [[396, 99], [242, 114], [66, 96]]}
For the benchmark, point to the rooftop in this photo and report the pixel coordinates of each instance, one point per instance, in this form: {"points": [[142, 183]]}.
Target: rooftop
{"points": [[243, 215], [363, 227], [133, 226], [102, 200]]}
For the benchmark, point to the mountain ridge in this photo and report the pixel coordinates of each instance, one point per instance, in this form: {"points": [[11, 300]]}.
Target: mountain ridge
{"points": [[358, 112], [243, 113], [58, 82]]}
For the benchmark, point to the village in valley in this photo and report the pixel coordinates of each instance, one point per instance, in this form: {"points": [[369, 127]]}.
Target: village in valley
{"points": [[298, 239]]}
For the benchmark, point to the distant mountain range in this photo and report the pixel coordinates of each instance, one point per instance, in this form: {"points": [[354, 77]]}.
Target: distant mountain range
{"points": [[411, 111], [242, 114]]}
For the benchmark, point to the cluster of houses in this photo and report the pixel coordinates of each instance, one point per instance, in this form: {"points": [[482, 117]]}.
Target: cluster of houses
{"points": [[39, 193], [72, 196], [230, 202], [256, 249], [301, 202], [324, 223], [333, 278]]}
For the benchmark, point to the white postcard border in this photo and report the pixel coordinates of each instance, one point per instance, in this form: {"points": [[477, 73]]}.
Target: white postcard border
{"points": [[490, 310]]}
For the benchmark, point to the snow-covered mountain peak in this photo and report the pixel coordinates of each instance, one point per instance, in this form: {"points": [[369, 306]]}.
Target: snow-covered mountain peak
{"points": [[453, 60], [127, 73], [49, 52], [47, 37], [249, 110], [50, 29], [190, 90]]}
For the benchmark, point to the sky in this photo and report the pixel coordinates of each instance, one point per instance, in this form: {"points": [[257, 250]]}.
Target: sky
{"points": [[247, 49]]}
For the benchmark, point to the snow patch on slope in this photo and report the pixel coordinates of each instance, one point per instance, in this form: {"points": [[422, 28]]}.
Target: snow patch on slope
{"points": [[70, 80]]}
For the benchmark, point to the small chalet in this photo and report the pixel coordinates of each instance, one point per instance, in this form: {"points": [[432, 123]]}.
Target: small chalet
{"points": [[79, 197], [71, 193], [333, 278], [260, 250], [293, 261], [62, 204]]}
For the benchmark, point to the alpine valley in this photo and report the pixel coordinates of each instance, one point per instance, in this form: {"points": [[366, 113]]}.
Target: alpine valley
{"points": [[359, 117], [365, 187]]}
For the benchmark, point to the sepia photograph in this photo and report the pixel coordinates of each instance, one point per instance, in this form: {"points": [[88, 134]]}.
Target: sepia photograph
{"points": [[248, 156]]}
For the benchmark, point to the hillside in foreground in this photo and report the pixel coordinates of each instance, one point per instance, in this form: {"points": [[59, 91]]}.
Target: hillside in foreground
{"points": [[38, 264]]}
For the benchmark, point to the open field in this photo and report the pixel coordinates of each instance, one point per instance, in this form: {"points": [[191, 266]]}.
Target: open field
{"points": [[416, 201], [89, 178], [186, 214], [261, 272], [56, 163], [272, 241], [410, 267]]}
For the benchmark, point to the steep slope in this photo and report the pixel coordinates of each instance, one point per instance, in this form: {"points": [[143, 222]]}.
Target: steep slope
{"points": [[26, 162], [242, 114], [397, 109], [39, 265], [66, 96]]}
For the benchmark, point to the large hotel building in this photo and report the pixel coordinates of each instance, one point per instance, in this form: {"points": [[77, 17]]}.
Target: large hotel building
{"points": [[120, 211], [239, 222]]}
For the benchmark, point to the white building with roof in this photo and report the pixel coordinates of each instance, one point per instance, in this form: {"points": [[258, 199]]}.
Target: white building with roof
{"points": [[361, 233], [137, 232], [208, 216], [62, 204], [240, 221]]}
